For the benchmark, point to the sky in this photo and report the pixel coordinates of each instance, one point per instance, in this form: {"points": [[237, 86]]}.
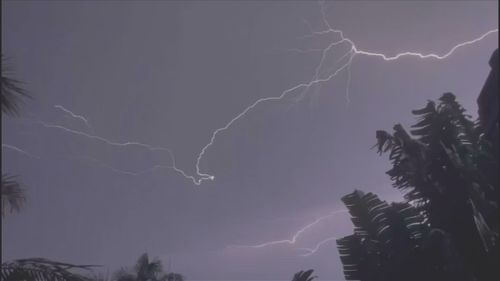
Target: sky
{"points": [[144, 77]]}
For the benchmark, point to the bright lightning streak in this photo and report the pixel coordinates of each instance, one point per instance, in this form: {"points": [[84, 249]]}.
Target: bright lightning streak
{"points": [[295, 236], [354, 51], [244, 112], [123, 144], [312, 251], [316, 80], [76, 116], [17, 149]]}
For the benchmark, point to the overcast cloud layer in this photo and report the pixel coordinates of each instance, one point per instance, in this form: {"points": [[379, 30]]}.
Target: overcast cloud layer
{"points": [[168, 74]]}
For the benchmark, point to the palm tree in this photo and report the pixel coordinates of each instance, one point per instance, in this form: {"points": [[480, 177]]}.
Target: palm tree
{"points": [[304, 276], [12, 92], [12, 95], [38, 269], [440, 167], [146, 270], [441, 171], [13, 198], [393, 242]]}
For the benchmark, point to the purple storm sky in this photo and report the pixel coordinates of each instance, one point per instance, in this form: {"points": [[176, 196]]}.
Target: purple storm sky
{"points": [[167, 74]]}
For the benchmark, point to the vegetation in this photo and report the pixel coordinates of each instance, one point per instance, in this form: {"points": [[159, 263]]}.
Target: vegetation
{"points": [[304, 275], [13, 196], [146, 270], [448, 228], [38, 269]]}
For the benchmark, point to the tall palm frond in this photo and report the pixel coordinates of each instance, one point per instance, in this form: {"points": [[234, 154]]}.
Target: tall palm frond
{"points": [[147, 270], [13, 196], [447, 170], [39, 269], [12, 92], [304, 275], [385, 242]]}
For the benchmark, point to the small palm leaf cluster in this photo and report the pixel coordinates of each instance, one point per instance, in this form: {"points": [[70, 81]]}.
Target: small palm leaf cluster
{"points": [[12, 92], [147, 270], [13, 196], [387, 239], [12, 95], [449, 227], [38, 269], [304, 275]]}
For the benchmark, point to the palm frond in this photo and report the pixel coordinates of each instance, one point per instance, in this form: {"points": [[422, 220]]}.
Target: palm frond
{"points": [[304, 275], [13, 195], [12, 92], [39, 269]]}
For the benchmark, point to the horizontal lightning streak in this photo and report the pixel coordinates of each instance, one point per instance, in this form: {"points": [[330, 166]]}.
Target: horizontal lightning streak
{"points": [[295, 236], [123, 144], [17, 149]]}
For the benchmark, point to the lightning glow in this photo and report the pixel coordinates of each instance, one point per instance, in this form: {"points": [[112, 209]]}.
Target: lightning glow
{"points": [[353, 51], [293, 240]]}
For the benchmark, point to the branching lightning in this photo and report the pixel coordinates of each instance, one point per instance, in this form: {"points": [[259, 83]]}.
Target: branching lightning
{"points": [[317, 79], [293, 240], [321, 75], [353, 51], [312, 251], [151, 148]]}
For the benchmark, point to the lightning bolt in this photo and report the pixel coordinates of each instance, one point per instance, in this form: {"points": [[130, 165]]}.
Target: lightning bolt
{"points": [[320, 76], [354, 50], [312, 251], [122, 144], [295, 236], [17, 149], [76, 116]]}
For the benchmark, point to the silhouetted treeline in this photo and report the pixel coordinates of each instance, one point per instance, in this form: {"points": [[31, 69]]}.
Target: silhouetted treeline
{"points": [[446, 167]]}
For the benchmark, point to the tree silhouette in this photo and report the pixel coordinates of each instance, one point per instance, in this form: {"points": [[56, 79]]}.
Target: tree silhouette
{"points": [[451, 230], [38, 269], [304, 275], [13, 195], [146, 270]]}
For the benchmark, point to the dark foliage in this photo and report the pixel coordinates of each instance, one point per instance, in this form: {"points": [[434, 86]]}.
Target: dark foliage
{"points": [[12, 92], [449, 227], [13, 196], [38, 269], [146, 270], [304, 275]]}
